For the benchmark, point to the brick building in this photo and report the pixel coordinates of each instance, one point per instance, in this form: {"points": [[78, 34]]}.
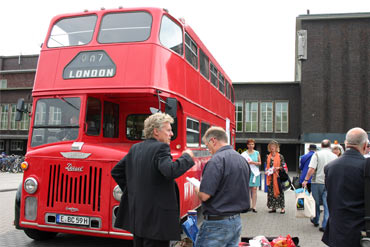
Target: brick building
{"points": [[330, 94], [16, 81]]}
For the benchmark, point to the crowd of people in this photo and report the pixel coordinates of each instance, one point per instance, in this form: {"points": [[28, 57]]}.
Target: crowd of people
{"points": [[229, 183]]}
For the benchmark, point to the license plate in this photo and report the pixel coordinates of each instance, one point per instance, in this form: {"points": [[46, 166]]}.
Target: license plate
{"points": [[73, 220]]}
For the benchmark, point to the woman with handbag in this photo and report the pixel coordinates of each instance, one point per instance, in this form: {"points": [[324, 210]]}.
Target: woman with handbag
{"points": [[275, 161]]}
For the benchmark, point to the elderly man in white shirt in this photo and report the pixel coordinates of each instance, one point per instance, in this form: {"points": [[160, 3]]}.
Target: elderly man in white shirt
{"points": [[316, 168]]}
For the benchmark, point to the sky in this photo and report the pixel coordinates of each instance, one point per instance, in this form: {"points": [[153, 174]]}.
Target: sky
{"points": [[253, 40]]}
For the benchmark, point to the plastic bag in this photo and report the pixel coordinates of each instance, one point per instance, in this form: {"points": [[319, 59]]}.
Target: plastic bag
{"points": [[283, 242], [259, 241]]}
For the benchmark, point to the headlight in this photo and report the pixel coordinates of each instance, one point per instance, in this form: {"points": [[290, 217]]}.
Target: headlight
{"points": [[30, 185], [117, 193]]}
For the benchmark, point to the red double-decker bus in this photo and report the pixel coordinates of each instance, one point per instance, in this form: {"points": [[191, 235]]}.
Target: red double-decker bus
{"points": [[99, 75]]}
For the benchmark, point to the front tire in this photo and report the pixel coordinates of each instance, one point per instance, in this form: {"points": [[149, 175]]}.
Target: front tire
{"points": [[39, 235]]}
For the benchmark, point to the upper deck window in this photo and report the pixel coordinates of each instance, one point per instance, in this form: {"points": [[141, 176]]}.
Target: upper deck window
{"points": [[125, 27], [72, 31], [221, 85], [191, 51], [171, 35], [203, 64], [214, 75]]}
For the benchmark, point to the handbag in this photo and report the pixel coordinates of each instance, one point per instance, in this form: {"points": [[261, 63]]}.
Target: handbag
{"points": [[284, 179], [304, 204], [295, 182]]}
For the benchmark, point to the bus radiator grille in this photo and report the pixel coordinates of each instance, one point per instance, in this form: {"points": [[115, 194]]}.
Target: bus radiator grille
{"points": [[74, 187]]}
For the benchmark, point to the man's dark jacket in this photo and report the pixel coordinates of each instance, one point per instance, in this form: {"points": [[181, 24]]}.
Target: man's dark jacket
{"points": [[344, 181], [149, 205]]}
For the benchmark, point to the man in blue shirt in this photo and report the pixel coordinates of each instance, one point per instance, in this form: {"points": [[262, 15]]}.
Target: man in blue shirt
{"points": [[304, 162], [224, 192]]}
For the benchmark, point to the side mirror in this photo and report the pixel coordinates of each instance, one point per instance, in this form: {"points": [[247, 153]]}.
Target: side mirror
{"points": [[20, 109], [171, 107]]}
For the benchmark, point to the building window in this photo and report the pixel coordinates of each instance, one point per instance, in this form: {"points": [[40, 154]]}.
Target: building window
{"points": [[281, 117], [3, 83], [2, 145], [16, 145], [25, 122], [192, 133], [4, 117], [251, 116], [13, 123], [239, 116], [266, 117]]}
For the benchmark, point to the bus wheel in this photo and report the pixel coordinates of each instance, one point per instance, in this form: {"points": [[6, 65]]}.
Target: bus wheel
{"points": [[39, 235]]}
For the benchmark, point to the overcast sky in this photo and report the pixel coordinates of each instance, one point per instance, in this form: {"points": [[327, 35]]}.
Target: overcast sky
{"points": [[253, 40]]}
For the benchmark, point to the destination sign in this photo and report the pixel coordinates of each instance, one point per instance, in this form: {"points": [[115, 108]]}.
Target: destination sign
{"points": [[90, 64]]}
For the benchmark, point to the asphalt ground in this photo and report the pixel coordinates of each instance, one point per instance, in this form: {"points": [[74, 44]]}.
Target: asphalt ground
{"points": [[254, 224]]}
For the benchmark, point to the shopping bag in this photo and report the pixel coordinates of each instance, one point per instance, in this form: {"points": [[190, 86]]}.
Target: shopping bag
{"points": [[304, 204]]}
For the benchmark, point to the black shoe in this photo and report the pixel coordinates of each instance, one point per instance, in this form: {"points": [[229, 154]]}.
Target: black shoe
{"points": [[315, 224], [272, 211], [254, 211], [321, 229]]}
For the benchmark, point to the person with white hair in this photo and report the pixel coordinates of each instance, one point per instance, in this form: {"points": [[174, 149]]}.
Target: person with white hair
{"points": [[150, 207], [344, 181]]}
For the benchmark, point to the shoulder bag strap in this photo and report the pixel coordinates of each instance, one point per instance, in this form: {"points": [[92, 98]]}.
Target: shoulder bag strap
{"points": [[367, 196]]}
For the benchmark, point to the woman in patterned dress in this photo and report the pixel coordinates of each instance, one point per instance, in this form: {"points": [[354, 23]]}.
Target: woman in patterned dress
{"points": [[274, 162]]}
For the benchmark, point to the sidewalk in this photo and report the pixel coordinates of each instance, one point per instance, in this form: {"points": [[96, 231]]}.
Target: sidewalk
{"points": [[10, 181], [275, 224], [254, 224]]}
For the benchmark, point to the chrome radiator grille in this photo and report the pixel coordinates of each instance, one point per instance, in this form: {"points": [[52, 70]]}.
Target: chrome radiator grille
{"points": [[83, 188]]}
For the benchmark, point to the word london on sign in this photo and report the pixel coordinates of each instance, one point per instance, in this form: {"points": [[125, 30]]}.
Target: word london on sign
{"points": [[90, 73]]}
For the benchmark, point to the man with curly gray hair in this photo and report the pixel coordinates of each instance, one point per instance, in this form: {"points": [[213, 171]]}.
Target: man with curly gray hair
{"points": [[156, 121], [149, 205]]}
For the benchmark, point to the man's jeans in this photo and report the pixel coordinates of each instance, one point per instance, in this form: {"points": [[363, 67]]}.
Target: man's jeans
{"points": [[220, 233], [319, 192]]}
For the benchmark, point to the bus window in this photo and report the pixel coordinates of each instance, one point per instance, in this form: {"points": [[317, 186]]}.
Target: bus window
{"points": [[72, 31], [125, 27], [228, 89], [221, 85], [232, 94], [203, 128], [135, 126], [171, 35], [214, 75], [93, 116], [191, 51], [192, 133], [203, 64], [55, 120], [110, 121]]}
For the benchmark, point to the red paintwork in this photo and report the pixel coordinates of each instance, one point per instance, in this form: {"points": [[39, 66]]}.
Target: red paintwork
{"points": [[142, 68]]}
